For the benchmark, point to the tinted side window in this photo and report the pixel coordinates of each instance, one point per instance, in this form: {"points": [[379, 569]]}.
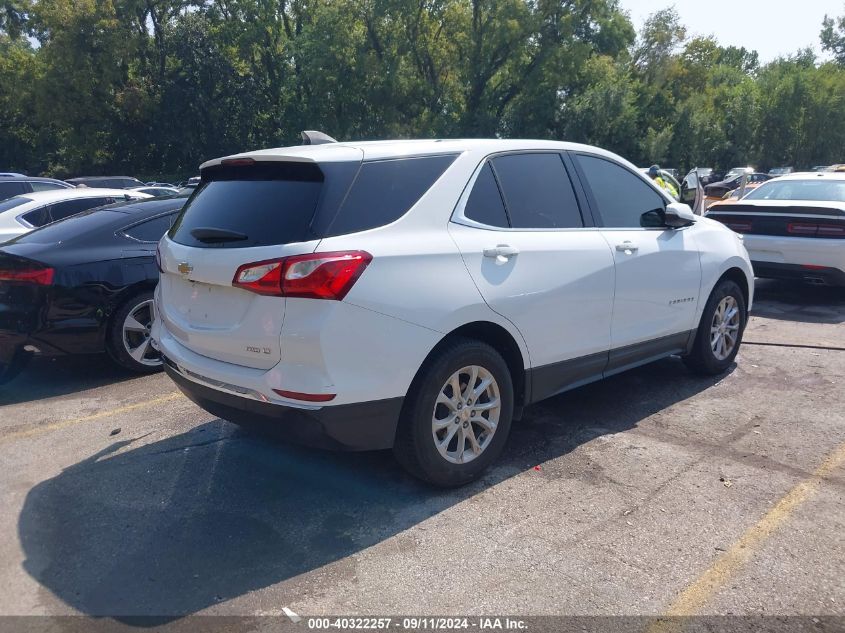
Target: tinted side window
{"points": [[151, 230], [62, 210], [622, 197], [45, 186], [537, 191], [485, 204], [9, 189], [384, 190]]}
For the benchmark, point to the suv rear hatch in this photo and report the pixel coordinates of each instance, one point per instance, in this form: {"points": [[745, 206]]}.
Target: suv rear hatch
{"points": [[244, 212]]}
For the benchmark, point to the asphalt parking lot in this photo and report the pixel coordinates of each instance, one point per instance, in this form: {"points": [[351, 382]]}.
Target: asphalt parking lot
{"points": [[653, 492]]}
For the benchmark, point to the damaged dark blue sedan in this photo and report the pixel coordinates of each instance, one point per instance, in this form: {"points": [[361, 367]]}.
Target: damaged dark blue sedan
{"points": [[84, 285]]}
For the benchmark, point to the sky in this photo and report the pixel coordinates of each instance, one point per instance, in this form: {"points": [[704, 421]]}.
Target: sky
{"points": [[771, 27]]}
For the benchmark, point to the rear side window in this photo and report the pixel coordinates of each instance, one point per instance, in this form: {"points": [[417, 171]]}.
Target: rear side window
{"points": [[262, 205], [45, 186], [537, 191], [485, 204], [385, 190], [9, 189], [151, 230], [61, 210], [624, 200]]}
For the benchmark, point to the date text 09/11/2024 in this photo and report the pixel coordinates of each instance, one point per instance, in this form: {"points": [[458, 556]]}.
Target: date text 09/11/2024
{"points": [[418, 623]]}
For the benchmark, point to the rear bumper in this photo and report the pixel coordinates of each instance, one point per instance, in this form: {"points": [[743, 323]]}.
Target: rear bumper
{"points": [[820, 275], [355, 427]]}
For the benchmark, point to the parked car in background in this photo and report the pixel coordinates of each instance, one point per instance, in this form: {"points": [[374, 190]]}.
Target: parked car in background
{"points": [[15, 185], [717, 190], [107, 182], [838, 168], [84, 285], [161, 184], [419, 294], [780, 171], [159, 191], [793, 227], [821, 168], [705, 175], [21, 214]]}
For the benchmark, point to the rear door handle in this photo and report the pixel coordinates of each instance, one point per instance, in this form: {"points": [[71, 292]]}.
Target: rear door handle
{"points": [[502, 250], [629, 248]]}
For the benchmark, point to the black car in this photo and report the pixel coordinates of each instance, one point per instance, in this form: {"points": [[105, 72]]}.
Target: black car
{"points": [[719, 189], [11, 186], [84, 285], [106, 182]]}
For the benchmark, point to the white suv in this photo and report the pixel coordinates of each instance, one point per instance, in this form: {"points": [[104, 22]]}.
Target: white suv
{"points": [[417, 295]]}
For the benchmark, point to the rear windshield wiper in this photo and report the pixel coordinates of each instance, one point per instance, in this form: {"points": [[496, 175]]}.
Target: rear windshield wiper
{"points": [[210, 235]]}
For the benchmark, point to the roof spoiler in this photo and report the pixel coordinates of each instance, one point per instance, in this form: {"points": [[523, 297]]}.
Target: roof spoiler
{"points": [[314, 137]]}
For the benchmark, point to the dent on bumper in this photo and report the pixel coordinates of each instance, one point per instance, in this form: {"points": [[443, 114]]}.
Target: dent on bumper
{"points": [[356, 427]]}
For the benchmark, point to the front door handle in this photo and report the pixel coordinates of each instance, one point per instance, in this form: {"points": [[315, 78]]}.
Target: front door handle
{"points": [[501, 252], [629, 248]]}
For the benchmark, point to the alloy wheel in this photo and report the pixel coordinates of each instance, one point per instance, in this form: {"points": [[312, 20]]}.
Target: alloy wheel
{"points": [[466, 414], [136, 334], [724, 329]]}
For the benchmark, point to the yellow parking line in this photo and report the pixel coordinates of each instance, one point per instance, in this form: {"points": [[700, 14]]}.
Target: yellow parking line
{"points": [[690, 601], [89, 418]]}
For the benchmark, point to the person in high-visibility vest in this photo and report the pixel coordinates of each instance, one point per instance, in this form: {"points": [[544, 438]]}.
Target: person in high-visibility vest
{"points": [[654, 174]]}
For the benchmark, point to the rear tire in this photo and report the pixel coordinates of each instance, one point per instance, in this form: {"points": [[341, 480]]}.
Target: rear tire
{"points": [[128, 337], [720, 331], [450, 431]]}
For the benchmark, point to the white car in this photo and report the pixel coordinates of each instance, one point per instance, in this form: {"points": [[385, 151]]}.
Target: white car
{"points": [[418, 295], [21, 214], [157, 190], [793, 227]]}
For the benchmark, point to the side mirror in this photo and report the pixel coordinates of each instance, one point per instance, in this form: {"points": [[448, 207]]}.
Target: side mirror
{"points": [[678, 215]]}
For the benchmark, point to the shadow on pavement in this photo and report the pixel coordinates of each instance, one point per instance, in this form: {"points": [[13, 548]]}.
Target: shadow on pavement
{"points": [[61, 375], [796, 301], [175, 526]]}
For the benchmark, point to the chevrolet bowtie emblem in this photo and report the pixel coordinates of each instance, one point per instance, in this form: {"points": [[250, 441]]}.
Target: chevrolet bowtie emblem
{"points": [[185, 268]]}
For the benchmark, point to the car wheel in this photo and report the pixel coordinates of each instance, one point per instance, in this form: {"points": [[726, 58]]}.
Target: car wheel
{"points": [[129, 341], [457, 415], [720, 331]]}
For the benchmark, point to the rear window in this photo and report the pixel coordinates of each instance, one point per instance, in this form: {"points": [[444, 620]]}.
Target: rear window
{"points": [[269, 204], [11, 203], [815, 190]]}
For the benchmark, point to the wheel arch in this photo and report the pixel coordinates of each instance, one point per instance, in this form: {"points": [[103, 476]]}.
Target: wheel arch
{"points": [[500, 339], [120, 299], [738, 276]]}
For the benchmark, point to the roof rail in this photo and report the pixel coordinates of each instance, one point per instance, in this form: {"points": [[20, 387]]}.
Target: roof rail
{"points": [[314, 137]]}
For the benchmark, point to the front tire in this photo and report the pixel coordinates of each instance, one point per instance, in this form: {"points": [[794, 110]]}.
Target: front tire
{"points": [[128, 341], [457, 415], [720, 331]]}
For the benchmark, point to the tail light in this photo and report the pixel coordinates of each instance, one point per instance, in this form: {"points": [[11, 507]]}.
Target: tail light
{"points": [[817, 230], [739, 227], [313, 276], [38, 275]]}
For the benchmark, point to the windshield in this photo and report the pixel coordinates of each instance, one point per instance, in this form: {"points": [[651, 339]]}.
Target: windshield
{"points": [[11, 203], [820, 190]]}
